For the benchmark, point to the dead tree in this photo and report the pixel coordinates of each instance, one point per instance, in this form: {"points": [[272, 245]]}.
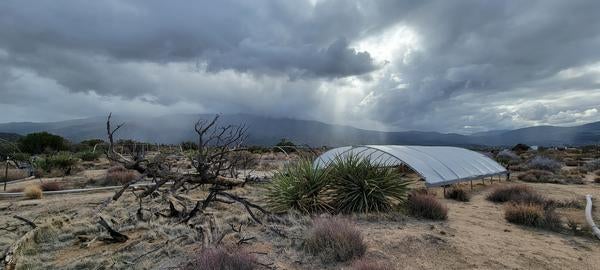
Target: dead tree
{"points": [[211, 161]]}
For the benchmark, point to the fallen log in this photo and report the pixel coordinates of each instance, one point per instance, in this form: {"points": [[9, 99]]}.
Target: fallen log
{"points": [[588, 216], [116, 236], [27, 221]]}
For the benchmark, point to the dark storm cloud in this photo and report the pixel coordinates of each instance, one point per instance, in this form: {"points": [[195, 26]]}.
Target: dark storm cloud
{"points": [[257, 36], [475, 66]]}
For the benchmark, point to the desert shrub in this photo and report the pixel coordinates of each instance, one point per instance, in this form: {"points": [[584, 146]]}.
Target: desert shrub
{"points": [[336, 239], [299, 186], [62, 161], [19, 156], [88, 155], [524, 214], [506, 156], [544, 163], [221, 259], [285, 145], [540, 176], [592, 165], [457, 193], [515, 193], [37, 143], [518, 168], [572, 203], [571, 162], [366, 264], [243, 159], [424, 191], [32, 192], [118, 175], [521, 147], [426, 206], [361, 186], [189, 145], [537, 176], [533, 215], [51, 186], [570, 179]]}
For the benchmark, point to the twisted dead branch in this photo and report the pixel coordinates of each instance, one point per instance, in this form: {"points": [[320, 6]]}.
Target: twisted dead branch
{"points": [[211, 161]]}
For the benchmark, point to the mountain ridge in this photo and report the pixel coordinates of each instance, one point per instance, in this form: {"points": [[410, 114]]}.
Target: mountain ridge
{"points": [[268, 131]]}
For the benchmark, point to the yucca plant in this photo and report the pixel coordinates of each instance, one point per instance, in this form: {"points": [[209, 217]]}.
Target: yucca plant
{"points": [[300, 186], [361, 186]]}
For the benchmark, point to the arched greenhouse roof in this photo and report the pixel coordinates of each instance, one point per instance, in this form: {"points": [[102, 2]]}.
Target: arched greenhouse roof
{"points": [[437, 165]]}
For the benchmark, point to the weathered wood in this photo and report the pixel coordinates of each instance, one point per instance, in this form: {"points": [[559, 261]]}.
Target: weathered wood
{"points": [[27, 221], [115, 235]]}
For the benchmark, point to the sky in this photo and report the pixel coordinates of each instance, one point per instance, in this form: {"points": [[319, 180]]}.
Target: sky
{"points": [[448, 66]]}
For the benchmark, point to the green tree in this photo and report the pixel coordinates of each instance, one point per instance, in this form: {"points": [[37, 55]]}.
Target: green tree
{"points": [[37, 143], [285, 144]]}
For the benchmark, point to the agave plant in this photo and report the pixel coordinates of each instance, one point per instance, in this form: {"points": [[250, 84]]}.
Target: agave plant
{"points": [[300, 186], [362, 186]]}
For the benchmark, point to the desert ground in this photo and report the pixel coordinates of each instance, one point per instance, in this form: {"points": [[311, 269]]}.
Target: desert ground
{"points": [[475, 234]]}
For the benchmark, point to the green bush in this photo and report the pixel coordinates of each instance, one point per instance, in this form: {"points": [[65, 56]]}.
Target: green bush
{"points": [[299, 186], [37, 143], [349, 185], [88, 155], [189, 145], [62, 161], [361, 186], [24, 157], [285, 145]]}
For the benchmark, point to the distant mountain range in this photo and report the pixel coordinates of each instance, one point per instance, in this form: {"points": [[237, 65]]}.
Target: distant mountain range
{"points": [[268, 131]]}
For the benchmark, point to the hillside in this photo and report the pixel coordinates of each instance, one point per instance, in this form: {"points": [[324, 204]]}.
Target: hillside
{"points": [[268, 131]]}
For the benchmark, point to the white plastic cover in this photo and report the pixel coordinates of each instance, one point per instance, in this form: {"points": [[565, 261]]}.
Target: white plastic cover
{"points": [[437, 165]]}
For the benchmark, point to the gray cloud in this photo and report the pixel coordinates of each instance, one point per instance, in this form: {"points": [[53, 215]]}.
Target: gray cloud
{"points": [[474, 65]]}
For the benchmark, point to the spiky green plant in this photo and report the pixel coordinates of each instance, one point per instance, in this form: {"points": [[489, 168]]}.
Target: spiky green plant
{"points": [[362, 186], [300, 186]]}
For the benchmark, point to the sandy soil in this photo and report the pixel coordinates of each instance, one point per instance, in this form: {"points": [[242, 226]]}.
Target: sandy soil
{"points": [[475, 236]]}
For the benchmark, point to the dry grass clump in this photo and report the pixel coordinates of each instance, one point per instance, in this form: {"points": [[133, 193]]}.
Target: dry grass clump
{"points": [[51, 186], [336, 239], [366, 264], [32, 192], [457, 193], [533, 215], [515, 193], [119, 175], [536, 176], [426, 206], [524, 214], [221, 259]]}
